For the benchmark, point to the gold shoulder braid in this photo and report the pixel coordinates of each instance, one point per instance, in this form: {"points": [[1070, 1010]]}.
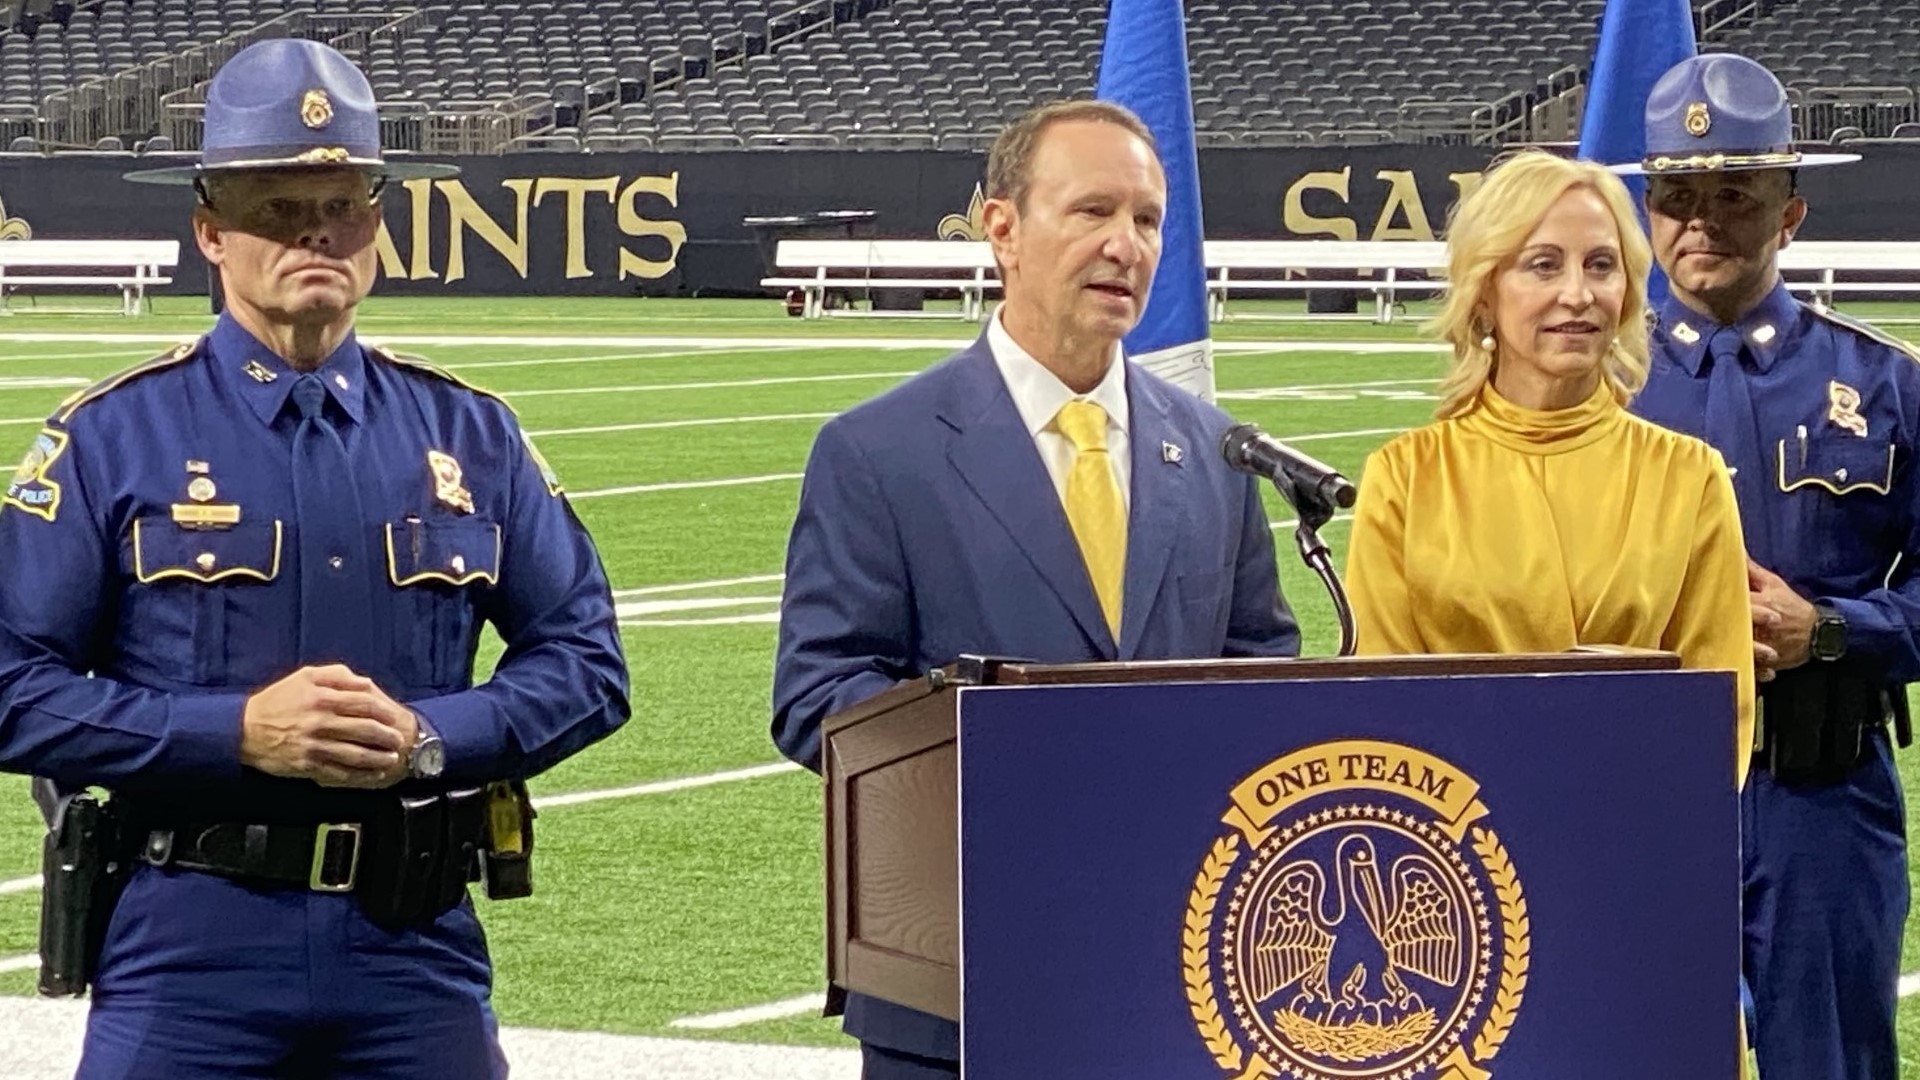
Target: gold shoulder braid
{"points": [[1867, 330], [177, 355], [428, 367]]}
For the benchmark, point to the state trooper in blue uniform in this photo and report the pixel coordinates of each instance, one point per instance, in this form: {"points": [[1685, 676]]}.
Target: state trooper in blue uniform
{"points": [[1819, 418], [243, 590]]}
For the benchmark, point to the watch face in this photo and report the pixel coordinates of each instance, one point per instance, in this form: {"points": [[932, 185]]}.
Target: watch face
{"points": [[429, 758], [1829, 638]]}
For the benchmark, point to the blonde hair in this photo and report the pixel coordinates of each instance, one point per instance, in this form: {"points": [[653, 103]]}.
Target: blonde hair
{"points": [[1486, 231]]}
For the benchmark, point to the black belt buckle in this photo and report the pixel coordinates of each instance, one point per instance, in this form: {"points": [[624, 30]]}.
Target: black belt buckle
{"points": [[336, 858]]}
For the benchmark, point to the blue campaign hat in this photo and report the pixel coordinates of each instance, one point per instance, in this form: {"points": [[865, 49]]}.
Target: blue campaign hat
{"points": [[290, 103], [1721, 113]]}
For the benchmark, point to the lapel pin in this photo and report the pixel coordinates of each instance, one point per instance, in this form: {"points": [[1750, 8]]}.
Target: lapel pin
{"points": [[1171, 454]]}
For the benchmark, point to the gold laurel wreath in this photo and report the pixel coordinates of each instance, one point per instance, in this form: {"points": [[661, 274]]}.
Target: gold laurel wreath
{"points": [[1195, 958], [1516, 942]]}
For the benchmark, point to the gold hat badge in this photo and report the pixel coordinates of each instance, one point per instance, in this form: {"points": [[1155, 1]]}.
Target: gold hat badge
{"points": [[1699, 120], [316, 109]]}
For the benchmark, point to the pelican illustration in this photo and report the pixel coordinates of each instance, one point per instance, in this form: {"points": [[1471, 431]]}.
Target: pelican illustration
{"points": [[1415, 928]]}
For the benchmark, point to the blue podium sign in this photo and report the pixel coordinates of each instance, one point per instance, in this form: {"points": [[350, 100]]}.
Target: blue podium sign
{"points": [[1355, 879]]}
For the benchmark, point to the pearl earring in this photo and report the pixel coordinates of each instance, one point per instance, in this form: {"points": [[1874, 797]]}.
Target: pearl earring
{"points": [[1487, 343]]}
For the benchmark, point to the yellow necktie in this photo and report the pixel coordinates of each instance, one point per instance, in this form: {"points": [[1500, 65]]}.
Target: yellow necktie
{"points": [[1094, 508]]}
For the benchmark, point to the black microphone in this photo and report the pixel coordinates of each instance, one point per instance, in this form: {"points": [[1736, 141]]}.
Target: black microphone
{"points": [[1251, 450]]}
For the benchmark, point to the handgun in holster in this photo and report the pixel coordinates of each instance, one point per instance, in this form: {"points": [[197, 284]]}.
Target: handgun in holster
{"points": [[82, 871], [507, 865], [1817, 723]]}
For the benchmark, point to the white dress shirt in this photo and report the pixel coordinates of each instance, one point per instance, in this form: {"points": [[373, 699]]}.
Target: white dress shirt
{"points": [[1038, 394]]}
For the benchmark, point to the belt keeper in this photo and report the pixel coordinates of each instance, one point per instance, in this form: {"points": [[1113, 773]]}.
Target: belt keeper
{"points": [[159, 849]]}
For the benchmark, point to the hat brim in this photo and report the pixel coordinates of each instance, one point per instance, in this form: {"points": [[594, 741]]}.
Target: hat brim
{"points": [[183, 175], [1806, 161]]}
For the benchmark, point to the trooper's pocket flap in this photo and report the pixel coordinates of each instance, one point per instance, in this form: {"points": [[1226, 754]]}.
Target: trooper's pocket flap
{"points": [[162, 550], [449, 552], [1841, 464]]}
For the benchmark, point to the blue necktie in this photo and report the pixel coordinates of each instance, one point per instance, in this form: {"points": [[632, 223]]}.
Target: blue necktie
{"points": [[1734, 429], [337, 623]]}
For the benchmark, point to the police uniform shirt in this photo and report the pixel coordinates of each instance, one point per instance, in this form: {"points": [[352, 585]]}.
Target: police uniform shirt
{"points": [[150, 540], [1821, 438]]}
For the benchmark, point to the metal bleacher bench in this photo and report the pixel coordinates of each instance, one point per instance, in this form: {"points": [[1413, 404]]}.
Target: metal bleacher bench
{"points": [[1813, 268], [132, 266], [841, 265], [967, 267]]}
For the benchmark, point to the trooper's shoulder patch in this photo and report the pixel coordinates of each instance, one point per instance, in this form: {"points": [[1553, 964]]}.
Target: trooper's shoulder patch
{"points": [[428, 367], [174, 356], [540, 462], [1866, 330], [31, 489]]}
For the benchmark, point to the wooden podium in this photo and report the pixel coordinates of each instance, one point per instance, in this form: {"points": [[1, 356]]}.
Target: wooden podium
{"points": [[893, 835]]}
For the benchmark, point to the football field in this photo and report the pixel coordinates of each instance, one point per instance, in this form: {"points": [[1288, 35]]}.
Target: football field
{"points": [[679, 872]]}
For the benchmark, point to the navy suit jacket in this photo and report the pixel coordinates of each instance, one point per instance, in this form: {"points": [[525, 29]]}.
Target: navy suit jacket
{"points": [[928, 527]]}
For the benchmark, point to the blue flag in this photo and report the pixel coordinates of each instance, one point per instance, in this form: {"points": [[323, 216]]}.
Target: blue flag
{"points": [[1143, 66], [1639, 41]]}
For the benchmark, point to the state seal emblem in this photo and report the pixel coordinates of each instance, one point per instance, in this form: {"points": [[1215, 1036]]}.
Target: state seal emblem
{"points": [[1358, 919]]}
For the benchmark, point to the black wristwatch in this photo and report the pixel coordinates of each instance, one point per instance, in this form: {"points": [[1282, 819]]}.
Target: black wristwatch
{"points": [[1829, 633], [428, 759]]}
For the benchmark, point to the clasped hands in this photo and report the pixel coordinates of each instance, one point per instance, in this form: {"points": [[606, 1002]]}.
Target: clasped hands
{"points": [[1782, 623], [329, 725]]}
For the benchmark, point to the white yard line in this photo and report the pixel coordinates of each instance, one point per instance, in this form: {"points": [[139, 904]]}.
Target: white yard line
{"points": [[131, 353], [683, 485], [607, 358], [593, 341], [754, 1014], [29, 962], [1322, 436], [768, 617], [718, 384], [633, 609], [696, 586], [1291, 522], [658, 425], [663, 787], [20, 885], [1910, 984], [44, 1039], [42, 382]]}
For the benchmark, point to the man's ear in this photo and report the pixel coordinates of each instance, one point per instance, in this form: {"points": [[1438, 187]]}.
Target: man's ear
{"points": [[1000, 220], [209, 235], [1791, 218]]}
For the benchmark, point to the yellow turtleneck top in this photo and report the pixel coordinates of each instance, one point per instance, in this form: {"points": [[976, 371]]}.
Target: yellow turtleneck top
{"points": [[1509, 530]]}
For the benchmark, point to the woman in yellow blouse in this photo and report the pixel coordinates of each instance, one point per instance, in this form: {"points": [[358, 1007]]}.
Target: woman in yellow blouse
{"points": [[1536, 514]]}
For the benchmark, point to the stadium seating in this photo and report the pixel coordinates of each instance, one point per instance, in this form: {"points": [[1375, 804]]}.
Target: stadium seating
{"points": [[690, 74]]}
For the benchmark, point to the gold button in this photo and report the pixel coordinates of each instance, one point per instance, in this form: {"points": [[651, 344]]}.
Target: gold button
{"points": [[206, 561]]}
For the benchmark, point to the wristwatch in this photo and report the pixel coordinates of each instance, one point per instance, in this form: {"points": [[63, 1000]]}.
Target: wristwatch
{"points": [[429, 755], [1829, 633]]}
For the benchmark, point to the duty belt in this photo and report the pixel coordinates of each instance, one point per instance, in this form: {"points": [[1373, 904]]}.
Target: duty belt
{"points": [[406, 864]]}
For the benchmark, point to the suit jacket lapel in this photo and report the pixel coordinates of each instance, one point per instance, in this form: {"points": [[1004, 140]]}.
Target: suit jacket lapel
{"points": [[994, 454], [1160, 489]]}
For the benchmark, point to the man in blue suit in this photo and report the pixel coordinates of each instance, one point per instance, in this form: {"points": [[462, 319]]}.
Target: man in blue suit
{"points": [[1033, 495]]}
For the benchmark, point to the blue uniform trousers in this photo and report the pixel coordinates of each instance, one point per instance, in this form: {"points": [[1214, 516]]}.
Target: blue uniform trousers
{"points": [[879, 1063], [1825, 904], [204, 977]]}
